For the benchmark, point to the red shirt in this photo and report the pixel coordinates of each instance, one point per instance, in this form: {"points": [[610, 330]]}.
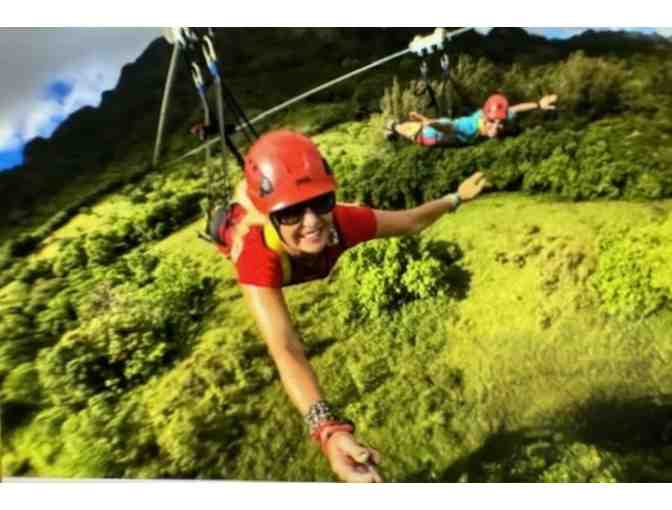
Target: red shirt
{"points": [[261, 266]]}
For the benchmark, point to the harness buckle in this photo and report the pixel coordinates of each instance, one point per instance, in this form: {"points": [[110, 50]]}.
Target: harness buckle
{"points": [[445, 62], [197, 76], [424, 69]]}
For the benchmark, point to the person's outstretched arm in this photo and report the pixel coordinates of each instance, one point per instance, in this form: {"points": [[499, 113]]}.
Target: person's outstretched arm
{"points": [[545, 103], [349, 460], [413, 221]]}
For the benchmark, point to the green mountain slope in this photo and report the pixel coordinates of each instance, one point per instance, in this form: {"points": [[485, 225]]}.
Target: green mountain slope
{"points": [[524, 338]]}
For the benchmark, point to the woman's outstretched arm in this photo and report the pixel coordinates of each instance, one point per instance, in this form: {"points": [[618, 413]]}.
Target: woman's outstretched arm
{"points": [[413, 221], [350, 461], [545, 103]]}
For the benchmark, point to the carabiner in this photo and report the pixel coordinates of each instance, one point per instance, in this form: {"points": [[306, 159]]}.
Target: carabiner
{"points": [[210, 56], [445, 62], [424, 69], [197, 76]]}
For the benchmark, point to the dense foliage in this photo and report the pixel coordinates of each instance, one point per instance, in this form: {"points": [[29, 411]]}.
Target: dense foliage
{"points": [[126, 350], [634, 276], [392, 272]]}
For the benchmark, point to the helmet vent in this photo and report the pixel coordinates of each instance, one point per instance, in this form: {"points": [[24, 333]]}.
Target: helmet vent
{"points": [[266, 187]]}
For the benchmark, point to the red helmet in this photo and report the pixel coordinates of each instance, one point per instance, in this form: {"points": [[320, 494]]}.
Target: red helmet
{"points": [[284, 168], [496, 107]]}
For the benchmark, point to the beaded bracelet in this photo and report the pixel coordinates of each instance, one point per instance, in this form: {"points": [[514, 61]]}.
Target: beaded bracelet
{"points": [[323, 423], [319, 412]]}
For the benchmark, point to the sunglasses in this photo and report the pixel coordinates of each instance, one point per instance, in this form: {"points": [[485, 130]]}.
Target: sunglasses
{"points": [[293, 215]]}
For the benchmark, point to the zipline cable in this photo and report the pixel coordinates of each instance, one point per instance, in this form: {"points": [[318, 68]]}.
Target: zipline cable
{"points": [[419, 45], [290, 102]]}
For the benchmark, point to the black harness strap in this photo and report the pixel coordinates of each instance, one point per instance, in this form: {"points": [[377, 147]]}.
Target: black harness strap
{"points": [[426, 87], [446, 105], [200, 50]]}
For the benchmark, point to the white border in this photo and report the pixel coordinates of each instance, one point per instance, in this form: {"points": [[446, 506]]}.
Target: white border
{"points": [[344, 13]]}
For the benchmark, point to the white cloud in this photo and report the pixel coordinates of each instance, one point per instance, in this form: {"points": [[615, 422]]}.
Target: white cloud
{"points": [[9, 139], [89, 59], [665, 32]]}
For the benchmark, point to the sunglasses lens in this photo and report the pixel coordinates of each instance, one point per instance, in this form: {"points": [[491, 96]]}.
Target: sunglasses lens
{"points": [[323, 204], [292, 215]]}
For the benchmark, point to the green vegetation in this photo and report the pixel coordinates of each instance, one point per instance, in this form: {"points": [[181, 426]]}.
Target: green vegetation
{"points": [[634, 276], [524, 338], [393, 272]]}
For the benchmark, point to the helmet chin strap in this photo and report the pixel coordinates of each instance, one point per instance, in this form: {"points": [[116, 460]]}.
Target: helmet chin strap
{"points": [[276, 227]]}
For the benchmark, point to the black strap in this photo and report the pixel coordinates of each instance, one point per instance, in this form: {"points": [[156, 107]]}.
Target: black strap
{"points": [[446, 106], [199, 50], [427, 88]]}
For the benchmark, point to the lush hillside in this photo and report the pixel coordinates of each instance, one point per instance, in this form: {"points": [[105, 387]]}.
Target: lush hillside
{"points": [[524, 338]]}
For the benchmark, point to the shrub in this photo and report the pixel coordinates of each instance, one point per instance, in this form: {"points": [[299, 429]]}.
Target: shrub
{"points": [[392, 272], [101, 248], [198, 411], [35, 269], [590, 86], [548, 461], [634, 278], [126, 334], [108, 439], [71, 256], [21, 385]]}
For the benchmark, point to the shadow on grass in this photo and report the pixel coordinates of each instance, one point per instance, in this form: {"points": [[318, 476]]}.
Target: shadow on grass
{"points": [[15, 415], [626, 440], [458, 278], [318, 346]]}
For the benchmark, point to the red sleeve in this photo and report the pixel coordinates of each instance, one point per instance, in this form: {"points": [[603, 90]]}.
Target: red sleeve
{"points": [[356, 224], [257, 264]]}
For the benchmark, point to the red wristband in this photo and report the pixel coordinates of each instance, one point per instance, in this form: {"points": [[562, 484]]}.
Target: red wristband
{"points": [[327, 429]]}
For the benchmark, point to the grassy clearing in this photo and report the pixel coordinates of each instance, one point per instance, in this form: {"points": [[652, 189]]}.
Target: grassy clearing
{"points": [[447, 389], [434, 383]]}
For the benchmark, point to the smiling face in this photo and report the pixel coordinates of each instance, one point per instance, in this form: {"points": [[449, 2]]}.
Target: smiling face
{"points": [[305, 228], [492, 128], [310, 236]]}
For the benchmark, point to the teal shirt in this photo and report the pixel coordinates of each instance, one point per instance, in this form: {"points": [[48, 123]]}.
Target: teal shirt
{"points": [[465, 129]]}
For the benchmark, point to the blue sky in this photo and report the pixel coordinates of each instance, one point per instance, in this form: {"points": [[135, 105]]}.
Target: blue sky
{"points": [[566, 32], [54, 100], [50, 73], [11, 158]]}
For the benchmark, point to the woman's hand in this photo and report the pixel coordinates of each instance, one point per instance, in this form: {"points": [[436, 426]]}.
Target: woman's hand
{"points": [[547, 102], [472, 186], [350, 461]]}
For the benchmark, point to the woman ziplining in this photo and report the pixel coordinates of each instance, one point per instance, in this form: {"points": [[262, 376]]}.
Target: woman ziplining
{"points": [[487, 122], [284, 227]]}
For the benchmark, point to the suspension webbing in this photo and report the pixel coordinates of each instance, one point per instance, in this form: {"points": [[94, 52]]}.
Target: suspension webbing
{"points": [[446, 104], [426, 88], [420, 45], [199, 49]]}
